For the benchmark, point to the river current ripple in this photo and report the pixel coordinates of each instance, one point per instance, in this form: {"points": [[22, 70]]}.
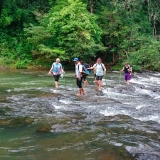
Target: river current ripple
{"points": [[120, 122]]}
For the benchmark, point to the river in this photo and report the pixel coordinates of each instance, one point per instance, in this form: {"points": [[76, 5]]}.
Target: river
{"points": [[40, 122]]}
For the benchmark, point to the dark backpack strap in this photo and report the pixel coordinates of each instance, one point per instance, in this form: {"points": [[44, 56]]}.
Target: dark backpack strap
{"points": [[102, 66], [78, 67]]}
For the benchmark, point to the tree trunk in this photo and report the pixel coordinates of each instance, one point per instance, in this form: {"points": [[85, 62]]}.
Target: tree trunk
{"points": [[106, 53], [149, 7], [91, 6], [154, 26]]}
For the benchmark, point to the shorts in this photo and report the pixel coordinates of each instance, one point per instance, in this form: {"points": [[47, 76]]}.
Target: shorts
{"points": [[84, 77], [56, 77], [79, 82], [127, 76], [99, 78]]}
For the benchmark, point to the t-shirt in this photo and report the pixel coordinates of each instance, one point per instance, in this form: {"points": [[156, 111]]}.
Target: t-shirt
{"points": [[99, 69], [127, 69], [57, 68], [78, 69]]}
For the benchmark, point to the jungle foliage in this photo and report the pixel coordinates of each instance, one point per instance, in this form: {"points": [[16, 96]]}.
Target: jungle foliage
{"points": [[35, 32]]}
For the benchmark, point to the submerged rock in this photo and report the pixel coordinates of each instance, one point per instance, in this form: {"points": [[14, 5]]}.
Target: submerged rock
{"points": [[43, 129], [144, 152], [147, 156], [10, 122]]}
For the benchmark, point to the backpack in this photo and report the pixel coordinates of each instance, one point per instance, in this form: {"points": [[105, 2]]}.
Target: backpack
{"points": [[85, 70]]}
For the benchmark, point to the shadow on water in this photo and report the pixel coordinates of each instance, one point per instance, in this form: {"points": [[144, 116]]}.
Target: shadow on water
{"points": [[38, 121]]}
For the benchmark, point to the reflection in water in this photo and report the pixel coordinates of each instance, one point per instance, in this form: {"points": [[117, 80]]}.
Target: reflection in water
{"points": [[38, 121]]}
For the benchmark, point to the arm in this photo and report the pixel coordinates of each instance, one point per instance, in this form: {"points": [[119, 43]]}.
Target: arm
{"points": [[62, 70], [50, 71], [90, 68], [93, 67], [104, 69], [80, 71], [122, 69], [130, 70]]}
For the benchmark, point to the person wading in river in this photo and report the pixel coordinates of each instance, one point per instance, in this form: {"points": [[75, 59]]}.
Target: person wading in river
{"points": [[85, 73], [127, 72], [56, 70], [78, 75], [100, 70]]}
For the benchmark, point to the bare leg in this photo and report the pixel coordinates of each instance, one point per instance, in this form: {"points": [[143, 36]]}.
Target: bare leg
{"points": [[96, 82], [127, 82], [85, 83], [56, 84], [94, 79], [100, 84], [81, 92]]}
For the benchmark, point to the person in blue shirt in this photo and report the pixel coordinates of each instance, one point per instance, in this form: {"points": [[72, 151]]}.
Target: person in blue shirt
{"points": [[56, 70]]}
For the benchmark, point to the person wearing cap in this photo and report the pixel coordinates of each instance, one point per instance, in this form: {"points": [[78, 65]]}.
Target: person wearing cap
{"points": [[56, 70], [78, 75]]}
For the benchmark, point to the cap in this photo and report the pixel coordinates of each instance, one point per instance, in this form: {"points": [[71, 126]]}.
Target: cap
{"points": [[75, 59]]}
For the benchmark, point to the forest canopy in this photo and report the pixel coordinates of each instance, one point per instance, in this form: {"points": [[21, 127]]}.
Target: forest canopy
{"points": [[35, 32]]}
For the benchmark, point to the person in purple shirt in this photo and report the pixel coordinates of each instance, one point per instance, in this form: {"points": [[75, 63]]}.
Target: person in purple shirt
{"points": [[127, 73]]}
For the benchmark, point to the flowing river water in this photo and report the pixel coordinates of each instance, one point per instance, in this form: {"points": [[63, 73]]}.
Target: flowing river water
{"points": [[39, 122]]}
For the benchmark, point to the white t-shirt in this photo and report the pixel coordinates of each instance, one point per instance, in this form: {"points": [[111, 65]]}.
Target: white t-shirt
{"points": [[78, 69], [99, 69]]}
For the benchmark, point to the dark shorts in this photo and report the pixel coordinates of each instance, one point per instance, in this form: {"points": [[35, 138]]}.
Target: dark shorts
{"points": [[99, 78], [84, 77], [56, 77], [79, 82], [127, 76]]}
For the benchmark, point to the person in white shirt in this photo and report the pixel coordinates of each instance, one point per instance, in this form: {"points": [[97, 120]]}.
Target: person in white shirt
{"points": [[78, 75], [100, 70]]}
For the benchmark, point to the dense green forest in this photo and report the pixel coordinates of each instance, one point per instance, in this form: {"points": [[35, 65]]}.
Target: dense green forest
{"points": [[35, 32]]}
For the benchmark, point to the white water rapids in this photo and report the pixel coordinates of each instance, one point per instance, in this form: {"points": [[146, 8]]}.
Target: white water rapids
{"points": [[120, 117]]}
